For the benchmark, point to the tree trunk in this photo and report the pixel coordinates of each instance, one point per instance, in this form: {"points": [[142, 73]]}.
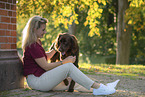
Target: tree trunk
{"points": [[123, 35], [72, 28]]}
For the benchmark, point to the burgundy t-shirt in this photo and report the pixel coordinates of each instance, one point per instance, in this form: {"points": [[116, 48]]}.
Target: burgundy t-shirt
{"points": [[32, 52]]}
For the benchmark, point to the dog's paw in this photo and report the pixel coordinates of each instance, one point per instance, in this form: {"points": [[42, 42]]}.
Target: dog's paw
{"points": [[66, 82], [70, 90]]}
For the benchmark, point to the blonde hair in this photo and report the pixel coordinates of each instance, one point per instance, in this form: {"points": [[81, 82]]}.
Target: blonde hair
{"points": [[29, 36]]}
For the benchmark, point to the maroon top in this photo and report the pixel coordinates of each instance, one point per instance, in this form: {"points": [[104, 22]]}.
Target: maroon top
{"points": [[30, 53]]}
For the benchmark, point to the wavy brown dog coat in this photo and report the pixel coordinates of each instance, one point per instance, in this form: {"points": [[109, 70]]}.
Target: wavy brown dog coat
{"points": [[67, 45]]}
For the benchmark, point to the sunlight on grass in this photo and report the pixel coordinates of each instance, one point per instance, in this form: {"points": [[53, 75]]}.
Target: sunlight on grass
{"points": [[26, 87], [123, 70]]}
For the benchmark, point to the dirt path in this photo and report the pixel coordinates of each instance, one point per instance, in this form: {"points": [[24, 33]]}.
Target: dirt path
{"points": [[128, 87]]}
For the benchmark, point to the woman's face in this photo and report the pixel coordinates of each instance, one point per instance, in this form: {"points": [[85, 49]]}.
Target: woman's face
{"points": [[41, 31]]}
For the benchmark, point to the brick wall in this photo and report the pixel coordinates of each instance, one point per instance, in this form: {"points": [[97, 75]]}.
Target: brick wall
{"points": [[8, 24], [11, 67]]}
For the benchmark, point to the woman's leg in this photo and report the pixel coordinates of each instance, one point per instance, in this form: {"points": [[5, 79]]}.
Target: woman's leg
{"points": [[53, 77]]}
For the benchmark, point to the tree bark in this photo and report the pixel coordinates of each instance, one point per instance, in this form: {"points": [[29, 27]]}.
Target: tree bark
{"points": [[72, 28], [123, 34]]}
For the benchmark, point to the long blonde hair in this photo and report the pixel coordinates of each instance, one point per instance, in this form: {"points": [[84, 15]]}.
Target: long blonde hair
{"points": [[29, 36]]}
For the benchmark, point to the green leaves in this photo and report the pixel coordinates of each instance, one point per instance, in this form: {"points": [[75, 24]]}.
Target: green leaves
{"points": [[64, 11], [135, 14], [67, 11], [94, 13]]}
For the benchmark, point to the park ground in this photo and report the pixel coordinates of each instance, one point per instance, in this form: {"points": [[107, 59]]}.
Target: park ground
{"points": [[127, 87]]}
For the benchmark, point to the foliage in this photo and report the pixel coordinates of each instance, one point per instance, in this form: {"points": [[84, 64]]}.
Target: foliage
{"points": [[98, 46], [82, 12], [135, 16], [96, 18], [123, 70], [64, 11]]}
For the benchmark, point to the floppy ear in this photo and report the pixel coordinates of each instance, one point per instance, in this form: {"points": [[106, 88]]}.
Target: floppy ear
{"points": [[74, 44], [57, 41]]}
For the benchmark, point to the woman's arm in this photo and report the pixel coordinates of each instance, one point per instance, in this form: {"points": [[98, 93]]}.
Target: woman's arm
{"points": [[48, 66], [50, 54]]}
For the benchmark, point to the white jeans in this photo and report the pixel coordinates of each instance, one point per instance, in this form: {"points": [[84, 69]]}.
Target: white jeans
{"points": [[52, 78]]}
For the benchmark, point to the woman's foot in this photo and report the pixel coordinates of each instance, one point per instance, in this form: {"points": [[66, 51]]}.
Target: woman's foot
{"points": [[113, 84], [104, 90]]}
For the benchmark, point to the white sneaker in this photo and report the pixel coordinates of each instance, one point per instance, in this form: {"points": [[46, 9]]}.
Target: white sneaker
{"points": [[113, 84], [104, 90]]}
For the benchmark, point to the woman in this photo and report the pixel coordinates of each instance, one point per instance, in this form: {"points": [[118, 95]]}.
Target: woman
{"points": [[44, 76]]}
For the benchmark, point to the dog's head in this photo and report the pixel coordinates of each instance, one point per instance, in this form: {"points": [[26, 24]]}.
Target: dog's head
{"points": [[66, 43]]}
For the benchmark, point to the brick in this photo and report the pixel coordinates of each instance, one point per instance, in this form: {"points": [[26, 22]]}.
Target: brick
{"points": [[8, 33], [13, 33], [10, 26], [3, 12], [13, 20], [1, 39], [3, 26], [5, 19], [4, 0], [14, 14], [5, 46], [10, 13], [2, 5], [13, 46], [10, 1], [4, 39], [10, 40], [2, 32], [13, 7], [8, 6], [14, 27], [14, 1], [14, 40]]}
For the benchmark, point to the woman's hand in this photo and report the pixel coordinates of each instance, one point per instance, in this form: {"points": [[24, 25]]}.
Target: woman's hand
{"points": [[69, 59]]}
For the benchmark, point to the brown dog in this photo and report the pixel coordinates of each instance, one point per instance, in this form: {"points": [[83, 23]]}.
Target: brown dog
{"points": [[67, 45]]}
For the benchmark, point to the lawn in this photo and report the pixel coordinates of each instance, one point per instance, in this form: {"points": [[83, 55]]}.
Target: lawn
{"points": [[123, 70]]}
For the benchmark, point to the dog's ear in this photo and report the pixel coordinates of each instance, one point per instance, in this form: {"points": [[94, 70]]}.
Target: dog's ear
{"points": [[74, 44], [57, 43]]}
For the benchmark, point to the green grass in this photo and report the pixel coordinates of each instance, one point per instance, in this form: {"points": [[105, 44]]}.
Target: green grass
{"points": [[123, 70], [3, 93]]}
